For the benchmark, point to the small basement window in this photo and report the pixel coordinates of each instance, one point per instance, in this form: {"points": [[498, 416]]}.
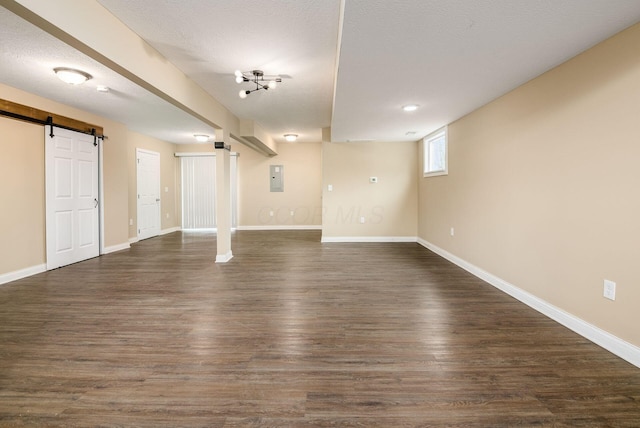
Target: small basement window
{"points": [[434, 147]]}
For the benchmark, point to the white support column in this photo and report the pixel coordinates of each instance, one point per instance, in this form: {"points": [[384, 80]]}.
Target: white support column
{"points": [[223, 203]]}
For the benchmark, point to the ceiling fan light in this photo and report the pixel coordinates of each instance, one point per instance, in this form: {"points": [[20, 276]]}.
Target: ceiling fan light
{"points": [[71, 75], [291, 137], [201, 138]]}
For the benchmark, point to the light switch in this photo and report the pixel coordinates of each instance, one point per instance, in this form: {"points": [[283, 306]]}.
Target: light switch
{"points": [[330, 188]]}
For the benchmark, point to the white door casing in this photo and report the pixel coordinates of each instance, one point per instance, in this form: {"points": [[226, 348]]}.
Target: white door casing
{"points": [[71, 189], [148, 179]]}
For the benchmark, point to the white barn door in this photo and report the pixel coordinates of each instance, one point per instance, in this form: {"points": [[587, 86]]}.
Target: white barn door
{"points": [[148, 179], [72, 206]]}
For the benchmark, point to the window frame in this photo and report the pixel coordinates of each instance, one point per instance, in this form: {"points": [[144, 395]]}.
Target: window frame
{"points": [[426, 145]]}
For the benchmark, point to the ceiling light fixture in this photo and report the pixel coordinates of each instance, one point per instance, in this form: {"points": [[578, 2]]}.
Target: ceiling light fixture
{"points": [[291, 137], [410, 107], [71, 75], [102, 88], [201, 138], [258, 78]]}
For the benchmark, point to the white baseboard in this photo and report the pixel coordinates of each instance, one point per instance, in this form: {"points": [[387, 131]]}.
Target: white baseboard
{"points": [[282, 227], [170, 230], [118, 247], [162, 232], [369, 239], [22, 273], [608, 341], [223, 258]]}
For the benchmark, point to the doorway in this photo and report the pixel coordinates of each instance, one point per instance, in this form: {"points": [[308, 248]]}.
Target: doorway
{"points": [[148, 183], [198, 178], [71, 191]]}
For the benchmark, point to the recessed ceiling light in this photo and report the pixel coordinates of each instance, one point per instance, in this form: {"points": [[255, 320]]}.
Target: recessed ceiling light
{"points": [[71, 75], [410, 107], [291, 137], [201, 138]]}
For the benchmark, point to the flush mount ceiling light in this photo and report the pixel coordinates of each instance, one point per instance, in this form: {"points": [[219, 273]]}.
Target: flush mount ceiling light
{"points": [[71, 75], [410, 107], [291, 137], [258, 78], [201, 138]]}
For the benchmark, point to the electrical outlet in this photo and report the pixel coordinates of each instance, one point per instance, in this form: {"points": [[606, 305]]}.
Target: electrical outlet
{"points": [[609, 289], [361, 220], [130, 222], [270, 213], [452, 232]]}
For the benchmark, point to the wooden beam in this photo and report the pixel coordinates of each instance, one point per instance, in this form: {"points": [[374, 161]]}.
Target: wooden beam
{"points": [[34, 115]]}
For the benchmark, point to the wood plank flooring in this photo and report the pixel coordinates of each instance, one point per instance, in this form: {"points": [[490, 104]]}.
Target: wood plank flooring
{"points": [[292, 332]]}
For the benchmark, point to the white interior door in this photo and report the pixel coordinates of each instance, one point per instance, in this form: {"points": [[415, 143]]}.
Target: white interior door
{"points": [[72, 212], [148, 173]]}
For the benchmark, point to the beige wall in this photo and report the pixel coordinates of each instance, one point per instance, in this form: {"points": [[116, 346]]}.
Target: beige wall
{"points": [[302, 186], [389, 207], [25, 142], [169, 184], [543, 187], [22, 216]]}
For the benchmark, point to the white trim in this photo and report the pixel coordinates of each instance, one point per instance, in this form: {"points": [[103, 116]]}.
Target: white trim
{"points": [[162, 232], [223, 258], [170, 230], [118, 247], [608, 341], [22, 273], [426, 141], [103, 249], [368, 239], [282, 227]]}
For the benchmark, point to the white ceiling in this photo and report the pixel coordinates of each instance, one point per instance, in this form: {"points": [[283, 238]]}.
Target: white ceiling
{"points": [[448, 56], [28, 56]]}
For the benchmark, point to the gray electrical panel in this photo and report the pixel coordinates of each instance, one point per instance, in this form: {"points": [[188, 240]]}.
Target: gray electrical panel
{"points": [[276, 178]]}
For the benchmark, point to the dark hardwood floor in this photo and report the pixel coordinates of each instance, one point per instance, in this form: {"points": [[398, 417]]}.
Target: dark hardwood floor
{"points": [[292, 332]]}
